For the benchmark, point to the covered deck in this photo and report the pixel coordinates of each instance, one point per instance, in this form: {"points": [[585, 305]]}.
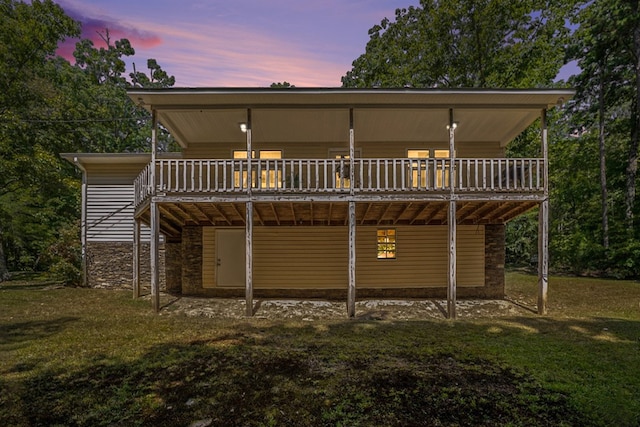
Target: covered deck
{"points": [[348, 189]]}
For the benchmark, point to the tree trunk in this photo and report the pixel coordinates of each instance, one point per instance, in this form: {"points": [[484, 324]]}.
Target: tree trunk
{"points": [[632, 159], [4, 272], [603, 163]]}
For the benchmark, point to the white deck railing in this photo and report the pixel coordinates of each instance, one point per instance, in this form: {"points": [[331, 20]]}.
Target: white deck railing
{"points": [[334, 176]]}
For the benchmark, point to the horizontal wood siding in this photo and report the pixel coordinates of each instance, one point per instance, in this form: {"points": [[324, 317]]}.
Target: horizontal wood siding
{"points": [[369, 150], [110, 214], [317, 257], [421, 257], [300, 257]]}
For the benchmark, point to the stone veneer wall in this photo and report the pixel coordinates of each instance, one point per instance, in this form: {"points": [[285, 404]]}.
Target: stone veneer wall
{"points": [[192, 260], [173, 266], [494, 259], [110, 265]]}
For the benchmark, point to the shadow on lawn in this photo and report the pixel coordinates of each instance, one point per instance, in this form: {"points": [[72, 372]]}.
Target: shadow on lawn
{"points": [[348, 373], [12, 334]]}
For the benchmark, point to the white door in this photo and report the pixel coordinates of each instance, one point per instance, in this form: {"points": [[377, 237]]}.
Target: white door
{"points": [[230, 257]]}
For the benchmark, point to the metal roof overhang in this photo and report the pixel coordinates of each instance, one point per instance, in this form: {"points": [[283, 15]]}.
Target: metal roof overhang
{"points": [[307, 115]]}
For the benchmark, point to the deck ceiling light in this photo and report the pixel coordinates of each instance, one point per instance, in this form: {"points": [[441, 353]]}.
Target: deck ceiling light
{"points": [[243, 127], [454, 125]]}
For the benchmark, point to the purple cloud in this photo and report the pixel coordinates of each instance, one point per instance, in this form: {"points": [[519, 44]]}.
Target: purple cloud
{"points": [[95, 29]]}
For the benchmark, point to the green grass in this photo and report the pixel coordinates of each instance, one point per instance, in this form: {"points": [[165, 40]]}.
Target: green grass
{"points": [[94, 357]]}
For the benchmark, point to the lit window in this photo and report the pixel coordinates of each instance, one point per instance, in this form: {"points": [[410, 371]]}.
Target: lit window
{"points": [[442, 179], [418, 168], [268, 176], [387, 243]]}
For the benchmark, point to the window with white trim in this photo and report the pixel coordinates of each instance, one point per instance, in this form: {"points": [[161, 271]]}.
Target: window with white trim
{"points": [[386, 243]]}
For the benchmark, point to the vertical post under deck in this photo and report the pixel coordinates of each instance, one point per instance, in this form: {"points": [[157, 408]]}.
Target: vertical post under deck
{"points": [[249, 259], [452, 222], [351, 292], [249, 224], [136, 258], [154, 253], [543, 223], [154, 249]]}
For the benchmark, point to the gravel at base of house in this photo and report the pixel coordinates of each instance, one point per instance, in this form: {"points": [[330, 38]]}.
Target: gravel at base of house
{"points": [[310, 310]]}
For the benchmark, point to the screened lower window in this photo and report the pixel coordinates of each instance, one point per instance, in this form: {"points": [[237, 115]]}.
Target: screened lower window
{"points": [[386, 243]]}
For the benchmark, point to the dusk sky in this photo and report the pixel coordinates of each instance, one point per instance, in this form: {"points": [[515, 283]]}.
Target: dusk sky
{"points": [[252, 43]]}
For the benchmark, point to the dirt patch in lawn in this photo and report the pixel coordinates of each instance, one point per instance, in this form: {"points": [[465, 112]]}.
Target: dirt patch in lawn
{"points": [[311, 310]]}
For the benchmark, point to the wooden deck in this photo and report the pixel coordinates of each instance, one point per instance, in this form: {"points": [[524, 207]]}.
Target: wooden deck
{"points": [[313, 177]]}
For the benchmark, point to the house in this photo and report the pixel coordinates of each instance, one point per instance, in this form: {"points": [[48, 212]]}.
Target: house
{"points": [[331, 193]]}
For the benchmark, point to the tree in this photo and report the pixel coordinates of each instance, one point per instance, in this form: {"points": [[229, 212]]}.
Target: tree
{"points": [[465, 43], [281, 85], [48, 106], [29, 36]]}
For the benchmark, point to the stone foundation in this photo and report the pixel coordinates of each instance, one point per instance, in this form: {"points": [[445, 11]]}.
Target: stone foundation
{"points": [[110, 265], [173, 266], [191, 260], [494, 259]]}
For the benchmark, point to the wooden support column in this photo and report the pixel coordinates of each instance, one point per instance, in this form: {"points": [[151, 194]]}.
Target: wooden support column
{"points": [[83, 223], [249, 152], [249, 224], [136, 259], [452, 267], [351, 293], [452, 222], [249, 259], [543, 223], [155, 218], [352, 154], [154, 254]]}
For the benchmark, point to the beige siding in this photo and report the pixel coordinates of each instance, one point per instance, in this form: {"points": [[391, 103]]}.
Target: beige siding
{"points": [[293, 150], [300, 257], [110, 214], [317, 257], [208, 257], [421, 258]]}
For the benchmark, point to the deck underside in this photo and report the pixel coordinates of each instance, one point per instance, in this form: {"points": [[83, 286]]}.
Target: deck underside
{"points": [[174, 216]]}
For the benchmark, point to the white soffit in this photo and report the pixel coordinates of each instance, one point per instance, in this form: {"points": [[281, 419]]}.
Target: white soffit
{"points": [[196, 116]]}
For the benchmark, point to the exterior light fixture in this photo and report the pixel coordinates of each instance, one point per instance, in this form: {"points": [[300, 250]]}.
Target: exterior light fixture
{"points": [[243, 127], [454, 125]]}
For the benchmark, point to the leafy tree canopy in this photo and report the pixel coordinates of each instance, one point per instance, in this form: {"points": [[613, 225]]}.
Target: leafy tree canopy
{"points": [[465, 43]]}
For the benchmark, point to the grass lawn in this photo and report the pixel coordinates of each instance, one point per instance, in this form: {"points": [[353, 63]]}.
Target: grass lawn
{"points": [[91, 357]]}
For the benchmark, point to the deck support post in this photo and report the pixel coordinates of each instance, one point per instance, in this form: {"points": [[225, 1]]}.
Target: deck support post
{"points": [[136, 259], [249, 224], [154, 253], [452, 222], [452, 266], [249, 259], [154, 212], [351, 293], [543, 223], [83, 224]]}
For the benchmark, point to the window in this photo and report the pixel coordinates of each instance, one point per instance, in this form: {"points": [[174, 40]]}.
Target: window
{"points": [[237, 181], [418, 168], [422, 175], [268, 176], [442, 177], [387, 243]]}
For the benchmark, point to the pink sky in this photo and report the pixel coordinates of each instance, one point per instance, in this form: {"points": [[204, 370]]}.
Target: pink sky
{"points": [[252, 43]]}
